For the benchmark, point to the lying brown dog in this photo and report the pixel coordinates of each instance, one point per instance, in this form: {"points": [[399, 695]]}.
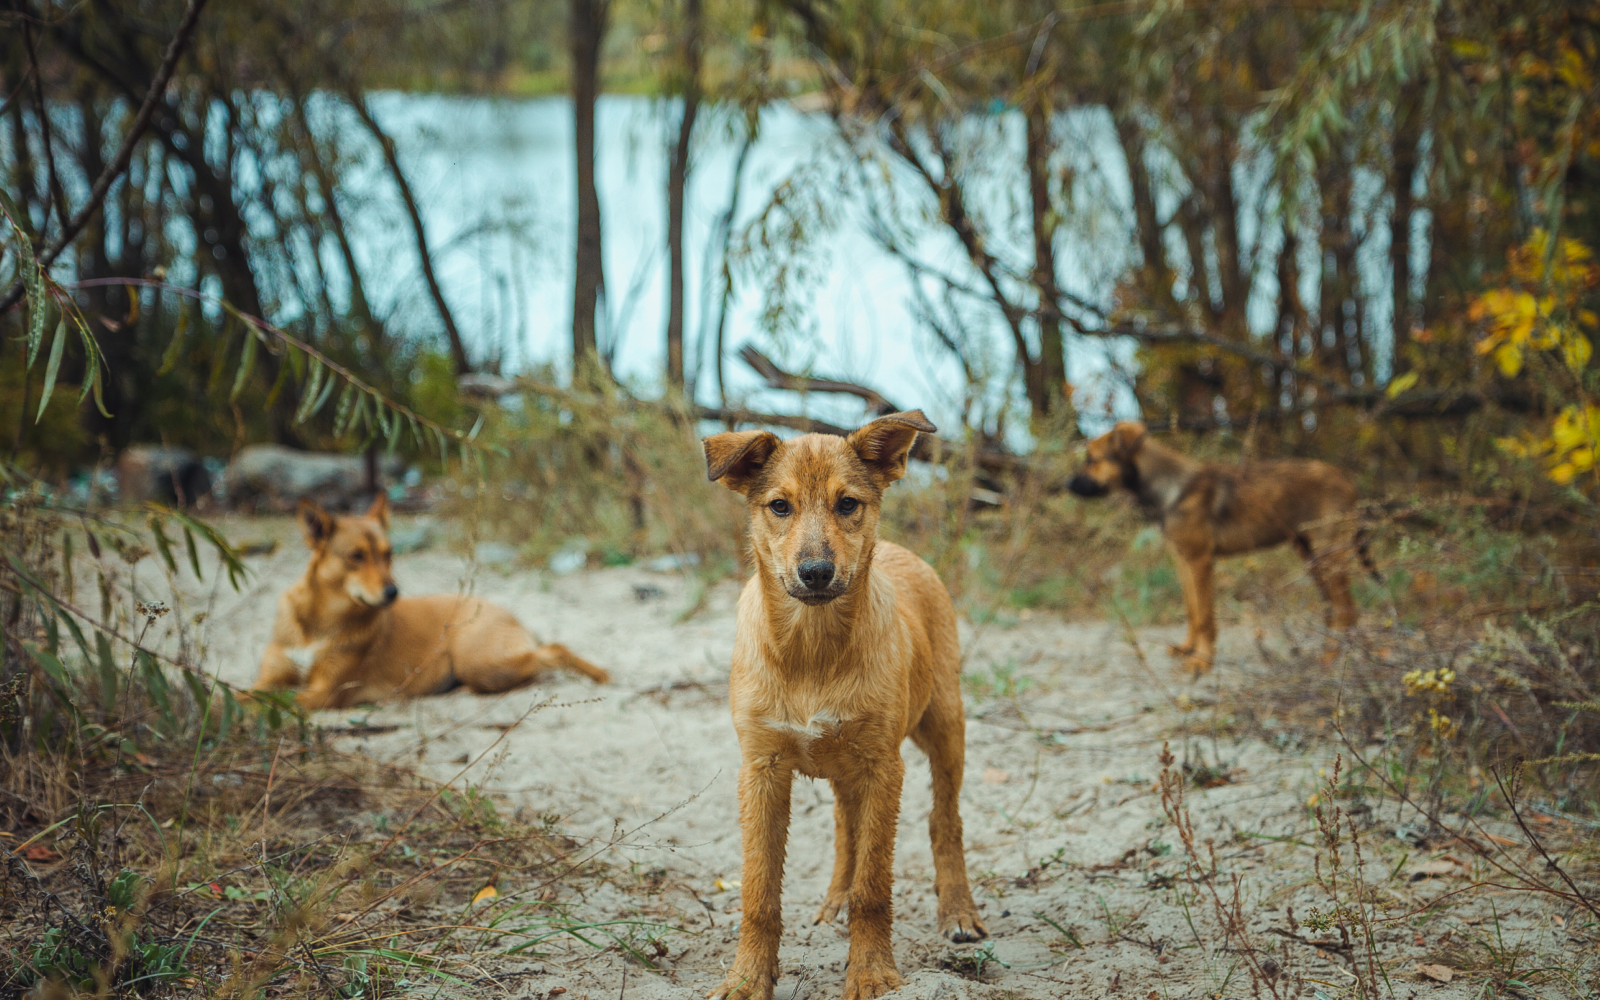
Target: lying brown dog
{"points": [[846, 646], [357, 640], [1208, 510]]}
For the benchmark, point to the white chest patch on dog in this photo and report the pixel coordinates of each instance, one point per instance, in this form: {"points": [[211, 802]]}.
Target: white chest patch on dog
{"points": [[821, 723], [304, 656]]}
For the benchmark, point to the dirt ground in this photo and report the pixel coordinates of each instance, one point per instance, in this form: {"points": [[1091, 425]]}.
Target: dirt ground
{"points": [[1072, 861]]}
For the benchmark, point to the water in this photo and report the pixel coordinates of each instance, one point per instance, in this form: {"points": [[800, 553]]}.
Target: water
{"points": [[495, 179]]}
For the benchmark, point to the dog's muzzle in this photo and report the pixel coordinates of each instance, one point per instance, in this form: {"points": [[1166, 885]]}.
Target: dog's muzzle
{"points": [[819, 582], [1084, 486]]}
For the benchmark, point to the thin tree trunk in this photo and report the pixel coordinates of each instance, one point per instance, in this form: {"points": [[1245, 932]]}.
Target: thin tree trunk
{"points": [[458, 350], [1047, 377], [1407, 115], [586, 31], [1156, 274], [677, 180]]}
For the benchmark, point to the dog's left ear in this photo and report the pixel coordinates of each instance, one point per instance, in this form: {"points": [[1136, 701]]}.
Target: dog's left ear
{"points": [[885, 444], [736, 457], [316, 523], [380, 509], [1126, 438]]}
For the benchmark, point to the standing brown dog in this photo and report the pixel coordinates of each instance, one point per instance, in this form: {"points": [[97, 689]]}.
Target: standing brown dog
{"points": [[846, 645], [1209, 510], [345, 625]]}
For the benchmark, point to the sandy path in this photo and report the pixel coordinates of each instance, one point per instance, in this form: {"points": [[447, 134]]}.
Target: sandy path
{"points": [[1060, 769]]}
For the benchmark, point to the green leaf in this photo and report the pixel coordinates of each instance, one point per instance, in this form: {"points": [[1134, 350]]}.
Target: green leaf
{"points": [[108, 668], [163, 543], [247, 363], [194, 555], [169, 359], [50, 662], [314, 384], [52, 367], [341, 412], [1400, 383]]}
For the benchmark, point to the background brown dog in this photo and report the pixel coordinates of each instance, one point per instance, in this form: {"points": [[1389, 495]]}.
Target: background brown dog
{"points": [[345, 625], [1208, 510], [846, 645]]}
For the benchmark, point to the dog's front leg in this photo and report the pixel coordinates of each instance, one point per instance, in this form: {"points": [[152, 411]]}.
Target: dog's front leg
{"points": [[764, 787], [870, 970]]}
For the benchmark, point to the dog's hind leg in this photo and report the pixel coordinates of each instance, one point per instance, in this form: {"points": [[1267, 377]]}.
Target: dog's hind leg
{"points": [[1329, 560], [942, 736], [844, 853]]}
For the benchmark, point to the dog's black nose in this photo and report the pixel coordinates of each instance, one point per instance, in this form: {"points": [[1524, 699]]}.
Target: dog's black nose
{"points": [[816, 573], [390, 592], [1086, 487]]}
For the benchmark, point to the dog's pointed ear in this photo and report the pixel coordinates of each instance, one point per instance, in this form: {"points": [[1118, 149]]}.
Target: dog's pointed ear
{"points": [[380, 509], [1126, 438], [736, 457], [315, 523], [885, 444]]}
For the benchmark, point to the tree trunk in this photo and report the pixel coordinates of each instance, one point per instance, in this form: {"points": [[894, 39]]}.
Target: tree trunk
{"points": [[328, 187], [1407, 115], [1155, 274], [458, 350], [586, 29], [1047, 377], [677, 179]]}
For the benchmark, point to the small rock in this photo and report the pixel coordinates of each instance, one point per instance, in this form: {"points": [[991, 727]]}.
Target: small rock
{"points": [[1437, 973], [493, 553], [570, 559], [411, 537], [995, 776], [645, 591], [170, 476], [672, 562]]}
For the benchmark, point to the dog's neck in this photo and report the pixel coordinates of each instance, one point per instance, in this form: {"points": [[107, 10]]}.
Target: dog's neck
{"points": [[1158, 475], [813, 639]]}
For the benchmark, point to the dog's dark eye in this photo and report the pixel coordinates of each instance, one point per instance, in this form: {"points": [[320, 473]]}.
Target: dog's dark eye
{"points": [[356, 556], [848, 505], [779, 507]]}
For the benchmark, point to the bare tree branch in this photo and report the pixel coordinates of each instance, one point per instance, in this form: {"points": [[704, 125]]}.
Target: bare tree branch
{"points": [[777, 378], [102, 184]]}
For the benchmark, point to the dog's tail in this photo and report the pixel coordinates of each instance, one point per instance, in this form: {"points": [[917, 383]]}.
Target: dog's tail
{"points": [[1366, 556], [555, 655]]}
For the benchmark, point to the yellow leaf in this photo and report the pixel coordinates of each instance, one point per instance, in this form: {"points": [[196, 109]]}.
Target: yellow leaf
{"points": [[1509, 358], [1563, 473], [1577, 350], [1400, 383], [487, 892]]}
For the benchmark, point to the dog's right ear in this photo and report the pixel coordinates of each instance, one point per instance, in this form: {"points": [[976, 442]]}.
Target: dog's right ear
{"points": [[736, 457], [315, 523], [1126, 438]]}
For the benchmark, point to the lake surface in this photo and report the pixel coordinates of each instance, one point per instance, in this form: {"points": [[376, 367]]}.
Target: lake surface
{"points": [[496, 182]]}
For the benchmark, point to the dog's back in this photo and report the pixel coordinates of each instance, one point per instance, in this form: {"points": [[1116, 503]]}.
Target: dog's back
{"points": [[1260, 504]]}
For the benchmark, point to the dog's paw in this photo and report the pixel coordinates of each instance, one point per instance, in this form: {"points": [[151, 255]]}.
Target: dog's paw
{"points": [[742, 985], [872, 981], [830, 909], [962, 927], [1197, 666], [1181, 649]]}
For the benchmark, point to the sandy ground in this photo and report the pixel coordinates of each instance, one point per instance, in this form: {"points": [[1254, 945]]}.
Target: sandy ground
{"points": [[1070, 856]]}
